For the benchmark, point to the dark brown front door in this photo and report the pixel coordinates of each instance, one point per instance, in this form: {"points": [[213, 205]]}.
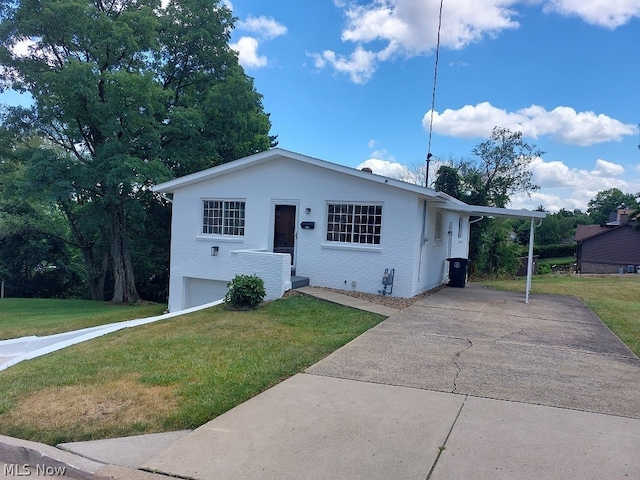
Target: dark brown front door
{"points": [[285, 230]]}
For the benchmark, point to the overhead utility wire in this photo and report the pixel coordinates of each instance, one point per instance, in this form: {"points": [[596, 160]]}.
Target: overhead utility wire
{"points": [[433, 95]]}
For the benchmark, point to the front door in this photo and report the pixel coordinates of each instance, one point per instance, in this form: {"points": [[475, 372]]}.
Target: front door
{"points": [[284, 234]]}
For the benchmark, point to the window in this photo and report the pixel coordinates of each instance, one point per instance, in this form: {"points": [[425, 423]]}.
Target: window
{"points": [[351, 223], [223, 217], [459, 228], [438, 233]]}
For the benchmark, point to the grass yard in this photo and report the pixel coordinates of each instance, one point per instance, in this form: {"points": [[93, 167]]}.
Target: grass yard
{"points": [[37, 316], [614, 298], [173, 374]]}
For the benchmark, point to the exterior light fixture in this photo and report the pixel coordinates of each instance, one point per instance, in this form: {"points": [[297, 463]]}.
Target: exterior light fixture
{"points": [[214, 251], [307, 210]]}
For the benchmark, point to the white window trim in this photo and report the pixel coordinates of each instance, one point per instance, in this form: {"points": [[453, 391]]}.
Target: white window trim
{"points": [[352, 245], [360, 247], [221, 236]]}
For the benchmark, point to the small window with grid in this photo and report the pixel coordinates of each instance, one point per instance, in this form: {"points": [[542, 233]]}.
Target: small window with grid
{"points": [[354, 223], [223, 217]]}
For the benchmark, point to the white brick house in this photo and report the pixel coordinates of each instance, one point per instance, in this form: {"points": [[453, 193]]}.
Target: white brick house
{"points": [[278, 212]]}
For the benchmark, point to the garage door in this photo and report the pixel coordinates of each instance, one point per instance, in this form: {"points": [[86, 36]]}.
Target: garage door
{"points": [[200, 291]]}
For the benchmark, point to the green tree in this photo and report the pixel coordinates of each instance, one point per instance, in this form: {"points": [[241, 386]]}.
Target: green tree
{"points": [[498, 254], [448, 181], [125, 94], [499, 168], [607, 201]]}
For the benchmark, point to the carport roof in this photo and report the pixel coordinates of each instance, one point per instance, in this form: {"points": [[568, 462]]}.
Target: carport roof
{"points": [[479, 211]]}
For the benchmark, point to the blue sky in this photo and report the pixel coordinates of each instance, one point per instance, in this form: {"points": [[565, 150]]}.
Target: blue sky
{"points": [[351, 82]]}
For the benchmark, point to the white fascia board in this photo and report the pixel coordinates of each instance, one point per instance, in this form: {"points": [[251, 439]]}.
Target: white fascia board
{"points": [[478, 210]]}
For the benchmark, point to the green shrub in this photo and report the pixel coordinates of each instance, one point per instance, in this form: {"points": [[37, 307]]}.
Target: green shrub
{"points": [[544, 269], [245, 291]]}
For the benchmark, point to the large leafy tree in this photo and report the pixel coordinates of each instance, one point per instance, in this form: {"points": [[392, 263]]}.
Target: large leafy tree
{"points": [[125, 93], [499, 168]]}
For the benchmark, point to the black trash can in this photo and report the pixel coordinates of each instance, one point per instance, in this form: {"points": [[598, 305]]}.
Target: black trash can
{"points": [[457, 271]]}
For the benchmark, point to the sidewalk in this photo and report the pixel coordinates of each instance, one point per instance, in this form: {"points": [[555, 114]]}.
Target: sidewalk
{"points": [[466, 383]]}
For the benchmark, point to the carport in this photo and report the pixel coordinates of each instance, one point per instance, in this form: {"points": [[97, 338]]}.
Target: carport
{"points": [[535, 218]]}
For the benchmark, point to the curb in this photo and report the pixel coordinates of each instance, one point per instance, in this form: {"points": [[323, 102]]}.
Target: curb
{"points": [[26, 458]]}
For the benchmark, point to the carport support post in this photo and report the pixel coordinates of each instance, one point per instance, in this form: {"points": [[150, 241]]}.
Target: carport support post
{"points": [[529, 262]]}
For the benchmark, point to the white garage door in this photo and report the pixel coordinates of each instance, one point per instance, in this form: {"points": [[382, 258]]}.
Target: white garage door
{"points": [[200, 291]]}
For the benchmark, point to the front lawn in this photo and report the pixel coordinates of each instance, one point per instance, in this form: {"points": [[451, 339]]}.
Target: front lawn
{"points": [[20, 317], [170, 375], [614, 298]]}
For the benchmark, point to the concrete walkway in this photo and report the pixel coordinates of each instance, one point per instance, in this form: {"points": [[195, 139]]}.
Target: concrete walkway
{"points": [[466, 383]]}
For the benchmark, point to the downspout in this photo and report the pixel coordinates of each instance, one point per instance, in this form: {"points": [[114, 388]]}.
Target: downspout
{"points": [[476, 220], [530, 259]]}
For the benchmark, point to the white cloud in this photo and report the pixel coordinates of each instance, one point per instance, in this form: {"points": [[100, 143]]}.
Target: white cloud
{"points": [[360, 65], [571, 188], [247, 48], [264, 27], [390, 169], [381, 163], [562, 124], [604, 13], [407, 28], [608, 168]]}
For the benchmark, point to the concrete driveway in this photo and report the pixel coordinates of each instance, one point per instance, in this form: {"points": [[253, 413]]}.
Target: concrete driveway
{"points": [[476, 341], [467, 383]]}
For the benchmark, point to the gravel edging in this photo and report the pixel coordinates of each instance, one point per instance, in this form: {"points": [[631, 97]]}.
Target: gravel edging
{"points": [[398, 303]]}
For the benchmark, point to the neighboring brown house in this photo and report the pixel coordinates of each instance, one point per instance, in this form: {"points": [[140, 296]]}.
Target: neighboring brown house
{"points": [[608, 248]]}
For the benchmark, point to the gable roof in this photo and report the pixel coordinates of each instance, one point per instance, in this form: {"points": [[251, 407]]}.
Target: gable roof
{"points": [[447, 201], [587, 232]]}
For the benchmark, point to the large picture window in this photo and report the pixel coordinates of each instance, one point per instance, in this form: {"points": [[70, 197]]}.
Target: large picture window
{"points": [[223, 217], [354, 223]]}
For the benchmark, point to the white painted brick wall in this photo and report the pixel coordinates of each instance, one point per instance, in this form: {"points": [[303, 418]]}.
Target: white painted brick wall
{"points": [[325, 263]]}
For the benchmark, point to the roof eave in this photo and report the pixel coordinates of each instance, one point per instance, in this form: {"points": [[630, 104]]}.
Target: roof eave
{"points": [[479, 211]]}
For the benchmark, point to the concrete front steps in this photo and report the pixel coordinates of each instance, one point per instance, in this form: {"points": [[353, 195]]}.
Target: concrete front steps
{"points": [[299, 282]]}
